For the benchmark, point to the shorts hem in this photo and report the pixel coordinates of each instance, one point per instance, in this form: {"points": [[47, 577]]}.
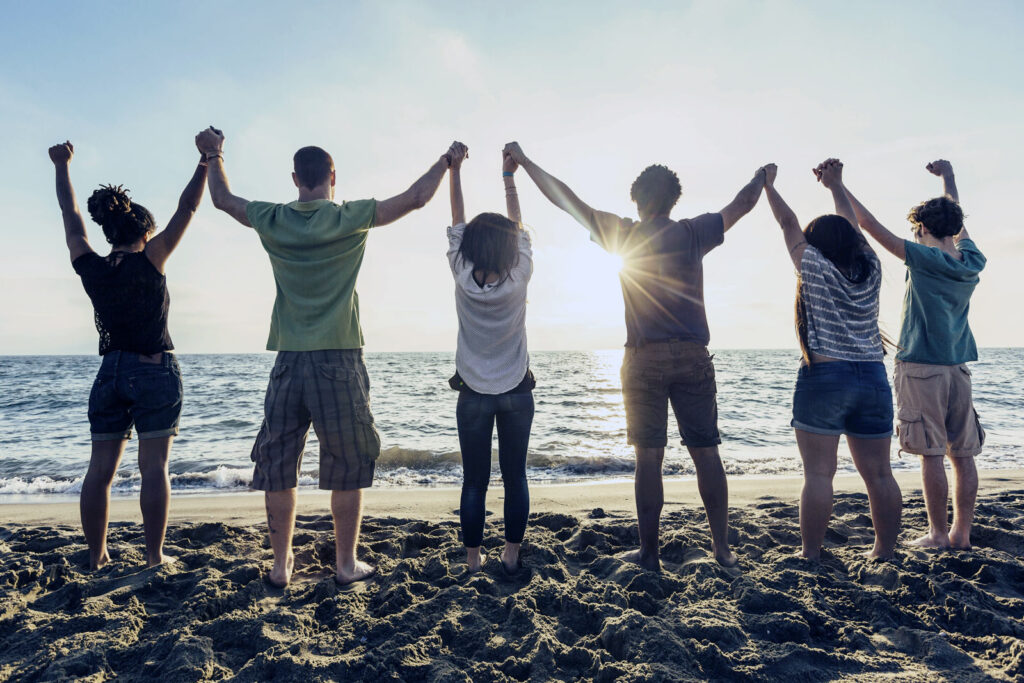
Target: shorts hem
{"points": [[268, 487], [158, 433], [927, 452], [347, 486], [965, 453], [112, 436], [703, 444], [815, 430]]}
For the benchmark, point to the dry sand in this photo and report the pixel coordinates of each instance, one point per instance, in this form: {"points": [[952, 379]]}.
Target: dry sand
{"points": [[574, 613]]}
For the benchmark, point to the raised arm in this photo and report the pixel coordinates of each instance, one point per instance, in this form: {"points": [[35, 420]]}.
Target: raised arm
{"points": [[508, 170], [74, 225], [887, 238], [944, 170], [159, 249], [458, 152], [418, 194], [744, 201], [211, 144], [830, 173], [601, 223], [794, 236]]}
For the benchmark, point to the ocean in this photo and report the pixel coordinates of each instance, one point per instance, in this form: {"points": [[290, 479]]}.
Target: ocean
{"points": [[579, 431]]}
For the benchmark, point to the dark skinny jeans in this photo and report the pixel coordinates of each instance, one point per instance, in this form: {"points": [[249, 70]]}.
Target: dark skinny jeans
{"points": [[476, 415]]}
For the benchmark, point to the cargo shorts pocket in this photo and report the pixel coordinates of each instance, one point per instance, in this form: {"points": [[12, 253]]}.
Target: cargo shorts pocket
{"points": [[911, 431], [981, 430], [352, 398]]}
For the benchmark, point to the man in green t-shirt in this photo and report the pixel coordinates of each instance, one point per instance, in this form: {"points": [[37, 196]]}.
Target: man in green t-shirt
{"points": [[935, 410], [316, 248]]}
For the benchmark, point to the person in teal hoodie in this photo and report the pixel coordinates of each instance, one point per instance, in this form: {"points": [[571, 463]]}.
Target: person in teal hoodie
{"points": [[935, 411]]}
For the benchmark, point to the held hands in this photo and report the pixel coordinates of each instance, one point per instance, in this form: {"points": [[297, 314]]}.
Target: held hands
{"points": [[210, 141], [829, 172], [508, 164], [62, 153], [770, 171], [515, 153], [940, 167], [456, 154]]}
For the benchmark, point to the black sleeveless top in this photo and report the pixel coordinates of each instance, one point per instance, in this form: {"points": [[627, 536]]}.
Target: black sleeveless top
{"points": [[129, 296]]}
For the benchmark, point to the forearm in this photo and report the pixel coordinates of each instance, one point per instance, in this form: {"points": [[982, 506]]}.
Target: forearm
{"points": [[949, 187], [220, 190], [558, 193], [864, 217], [73, 228], [192, 195], [844, 207], [424, 188], [512, 200], [455, 192]]}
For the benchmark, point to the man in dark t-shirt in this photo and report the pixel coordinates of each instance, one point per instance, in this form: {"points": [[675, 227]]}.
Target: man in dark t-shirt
{"points": [[666, 358]]}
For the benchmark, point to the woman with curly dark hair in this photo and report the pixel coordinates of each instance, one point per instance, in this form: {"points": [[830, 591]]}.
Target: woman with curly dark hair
{"points": [[139, 381], [841, 387]]}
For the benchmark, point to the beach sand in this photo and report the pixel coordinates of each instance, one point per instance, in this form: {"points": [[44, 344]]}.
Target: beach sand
{"points": [[574, 613]]}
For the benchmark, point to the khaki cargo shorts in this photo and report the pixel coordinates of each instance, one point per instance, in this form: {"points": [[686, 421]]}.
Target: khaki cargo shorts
{"points": [[935, 414]]}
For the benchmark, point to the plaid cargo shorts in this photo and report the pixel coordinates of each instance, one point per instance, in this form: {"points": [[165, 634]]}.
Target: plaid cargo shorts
{"points": [[330, 390]]}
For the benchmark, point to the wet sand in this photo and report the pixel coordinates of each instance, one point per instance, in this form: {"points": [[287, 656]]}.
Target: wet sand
{"points": [[574, 612]]}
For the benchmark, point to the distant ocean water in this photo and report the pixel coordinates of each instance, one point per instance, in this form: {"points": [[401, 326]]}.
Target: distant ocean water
{"points": [[579, 430]]}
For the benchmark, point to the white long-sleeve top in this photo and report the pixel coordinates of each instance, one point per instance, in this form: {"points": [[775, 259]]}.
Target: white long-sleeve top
{"points": [[491, 356]]}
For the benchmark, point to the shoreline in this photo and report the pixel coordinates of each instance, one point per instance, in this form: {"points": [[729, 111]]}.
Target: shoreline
{"points": [[440, 504]]}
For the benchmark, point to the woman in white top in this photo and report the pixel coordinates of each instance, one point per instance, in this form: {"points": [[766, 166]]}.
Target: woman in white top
{"points": [[841, 387], [491, 261]]}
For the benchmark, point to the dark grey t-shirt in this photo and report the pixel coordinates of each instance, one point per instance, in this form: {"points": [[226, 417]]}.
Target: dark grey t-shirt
{"points": [[663, 274]]}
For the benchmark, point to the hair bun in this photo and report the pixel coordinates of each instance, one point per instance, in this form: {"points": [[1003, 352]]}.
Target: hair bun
{"points": [[109, 203]]}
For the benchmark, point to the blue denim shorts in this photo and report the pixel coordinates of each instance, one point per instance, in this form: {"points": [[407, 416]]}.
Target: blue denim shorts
{"points": [[131, 391], [843, 397]]}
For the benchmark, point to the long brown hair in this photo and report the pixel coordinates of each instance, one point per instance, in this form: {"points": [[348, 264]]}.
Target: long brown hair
{"points": [[491, 244]]}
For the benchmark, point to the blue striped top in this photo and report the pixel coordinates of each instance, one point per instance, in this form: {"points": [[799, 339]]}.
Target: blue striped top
{"points": [[842, 316]]}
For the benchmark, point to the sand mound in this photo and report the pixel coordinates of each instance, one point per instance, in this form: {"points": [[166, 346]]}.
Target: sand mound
{"points": [[574, 612]]}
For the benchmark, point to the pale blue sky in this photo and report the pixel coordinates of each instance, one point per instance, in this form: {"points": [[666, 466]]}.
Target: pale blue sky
{"points": [[593, 91]]}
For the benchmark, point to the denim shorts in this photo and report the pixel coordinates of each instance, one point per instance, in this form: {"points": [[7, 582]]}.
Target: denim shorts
{"points": [[843, 397], [132, 391]]}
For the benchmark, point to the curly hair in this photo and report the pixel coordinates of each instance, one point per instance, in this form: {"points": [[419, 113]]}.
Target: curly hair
{"points": [[942, 217], [656, 190], [491, 244], [123, 221]]}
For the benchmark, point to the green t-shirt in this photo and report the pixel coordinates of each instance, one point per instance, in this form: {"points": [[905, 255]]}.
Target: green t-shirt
{"points": [[315, 249], [936, 303]]}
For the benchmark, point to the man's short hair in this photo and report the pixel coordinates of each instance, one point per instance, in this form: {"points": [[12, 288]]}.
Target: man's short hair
{"points": [[656, 190], [313, 166], [942, 217]]}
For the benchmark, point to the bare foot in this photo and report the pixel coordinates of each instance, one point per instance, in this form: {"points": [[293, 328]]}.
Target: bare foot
{"points": [[510, 558], [280, 575], [103, 560], [931, 541], [476, 563], [807, 556], [164, 558], [726, 557], [960, 540], [360, 571], [877, 555], [638, 557]]}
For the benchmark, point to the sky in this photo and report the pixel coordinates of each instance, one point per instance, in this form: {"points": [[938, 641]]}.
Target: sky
{"points": [[593, 91]]}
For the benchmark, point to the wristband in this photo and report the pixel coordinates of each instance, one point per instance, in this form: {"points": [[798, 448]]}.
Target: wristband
{"points": [[507, 174], [219, 154]]}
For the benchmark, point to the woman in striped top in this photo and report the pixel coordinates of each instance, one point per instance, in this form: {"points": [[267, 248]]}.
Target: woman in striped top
{"points": [[842, 386]]}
